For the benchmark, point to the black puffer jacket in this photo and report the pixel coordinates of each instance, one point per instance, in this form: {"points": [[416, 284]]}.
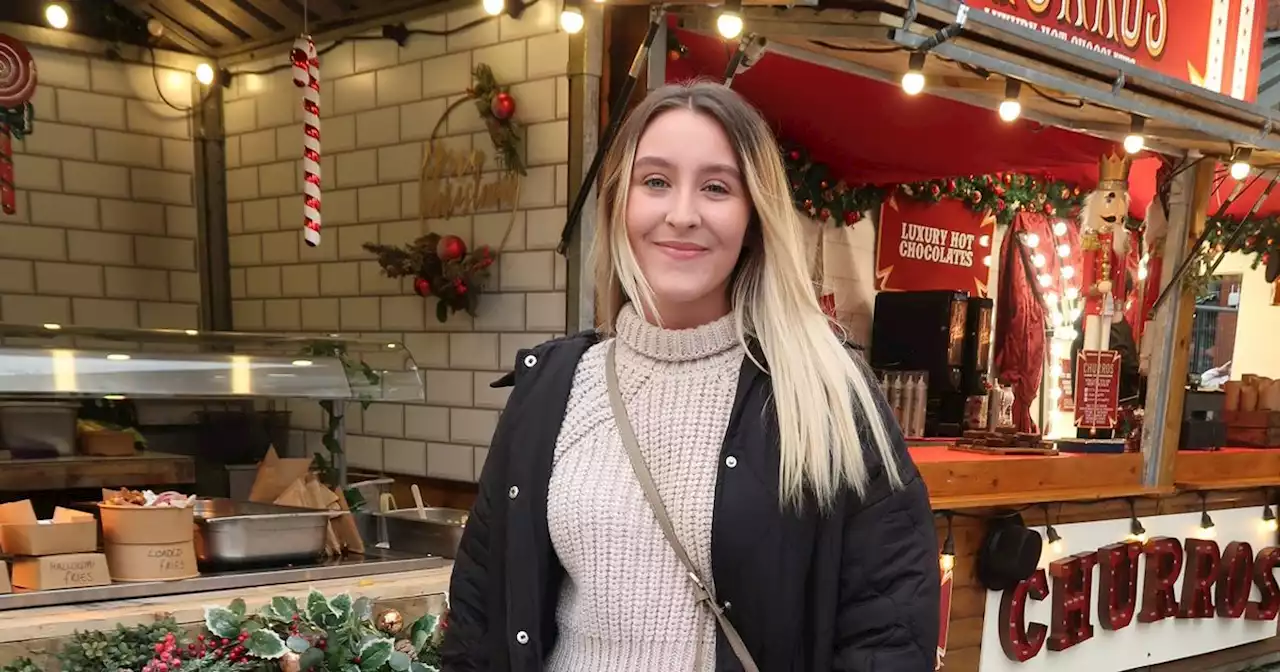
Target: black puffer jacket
{"points": [[854, 590]]}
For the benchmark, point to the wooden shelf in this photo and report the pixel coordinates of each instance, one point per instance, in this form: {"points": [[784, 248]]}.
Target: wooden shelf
{"points": [[1013, 499], [81, 471], [958, 480], [1227, 469]]}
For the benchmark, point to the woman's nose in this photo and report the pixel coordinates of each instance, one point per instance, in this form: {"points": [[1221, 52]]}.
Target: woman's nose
{"points": [[684, 210]]}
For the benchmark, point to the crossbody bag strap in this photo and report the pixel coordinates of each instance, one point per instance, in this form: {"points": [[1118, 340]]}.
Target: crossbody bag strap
{"points": [[702, 591]]}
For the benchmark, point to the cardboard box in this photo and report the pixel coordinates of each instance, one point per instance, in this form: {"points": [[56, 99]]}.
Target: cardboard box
{"points": [[21, 533], [5, 586], [148, 562], [53, 572]]}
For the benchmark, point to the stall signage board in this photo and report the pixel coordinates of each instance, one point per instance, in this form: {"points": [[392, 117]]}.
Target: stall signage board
{"points": [[932, 246], [1215, 44], [1097, 389], [1104, 604]]}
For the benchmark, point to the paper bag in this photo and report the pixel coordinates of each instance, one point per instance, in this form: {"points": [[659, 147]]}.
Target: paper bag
{"points": [[276, 475]]}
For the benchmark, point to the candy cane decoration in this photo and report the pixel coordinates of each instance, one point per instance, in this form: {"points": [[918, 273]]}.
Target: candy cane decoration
{"points": [[306, 75], [17, 84]]}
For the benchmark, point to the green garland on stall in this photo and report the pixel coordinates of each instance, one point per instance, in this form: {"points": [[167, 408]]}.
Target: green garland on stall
{"points": [[1262, 241], [817, 193]]}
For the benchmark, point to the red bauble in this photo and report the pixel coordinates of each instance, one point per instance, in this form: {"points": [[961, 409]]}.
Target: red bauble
{"points": [[824, 185], [795, 155], [808, 204], [1048, 209], [673, 54], [824, 214], [976, 197], [421, 287], [451, 248], [951, 186], [935, 190], [1000, 206], [851, 217], [460, 286], [503, 106]]}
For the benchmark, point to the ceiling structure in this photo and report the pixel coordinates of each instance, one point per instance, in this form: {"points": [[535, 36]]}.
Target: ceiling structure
{"points": [[213, 28]]}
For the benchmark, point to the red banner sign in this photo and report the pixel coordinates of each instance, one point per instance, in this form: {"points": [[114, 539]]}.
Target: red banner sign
{"points": [[1097, 383], [1216, 44], [927, 246]]}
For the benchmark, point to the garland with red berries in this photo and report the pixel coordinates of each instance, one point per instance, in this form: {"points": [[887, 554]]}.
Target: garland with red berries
{"points": [[817, 193]]}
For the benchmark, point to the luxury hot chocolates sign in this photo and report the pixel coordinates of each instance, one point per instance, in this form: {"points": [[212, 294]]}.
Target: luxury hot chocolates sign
{"points": [[1108, 604]]}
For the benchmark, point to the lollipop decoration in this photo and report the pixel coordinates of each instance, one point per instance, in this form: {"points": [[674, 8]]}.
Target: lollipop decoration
{"points": [[17, 84], [306, 75]]}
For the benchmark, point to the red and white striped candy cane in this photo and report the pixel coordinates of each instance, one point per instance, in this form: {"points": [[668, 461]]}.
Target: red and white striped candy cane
{"points": [[306, 74]]}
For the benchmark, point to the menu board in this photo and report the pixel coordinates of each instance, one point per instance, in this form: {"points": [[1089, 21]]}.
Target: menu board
{"points": [[1097, 389]]}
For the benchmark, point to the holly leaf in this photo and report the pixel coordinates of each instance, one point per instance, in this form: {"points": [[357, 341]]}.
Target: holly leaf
{"points": [[442, 312], [341, 606], [318, 608], [362, 609], [284, 607], [422, 630], [399, 661], [238, 607], [297, 644], [310, 658], [222, 622], [265, 644], [375, 654], [422, 667]]}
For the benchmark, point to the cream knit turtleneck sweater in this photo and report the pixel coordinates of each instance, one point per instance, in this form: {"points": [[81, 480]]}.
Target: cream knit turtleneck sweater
{"points": [[626, 604]]}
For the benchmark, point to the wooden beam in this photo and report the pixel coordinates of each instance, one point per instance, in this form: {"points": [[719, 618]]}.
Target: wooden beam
{"points": [[1176, 374], [62, 40], [330, 10], [242, 19], [173, 31], [283, 15], [183, 12]]}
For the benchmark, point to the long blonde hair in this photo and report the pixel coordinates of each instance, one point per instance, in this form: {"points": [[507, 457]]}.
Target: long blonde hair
{"points": [[818, 388]]}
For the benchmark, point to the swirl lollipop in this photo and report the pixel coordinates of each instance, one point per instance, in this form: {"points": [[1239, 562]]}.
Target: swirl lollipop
{"points": [[17, 84]]}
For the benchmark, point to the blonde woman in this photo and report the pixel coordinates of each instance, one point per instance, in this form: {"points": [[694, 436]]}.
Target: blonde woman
{"points": [[711, 481]]}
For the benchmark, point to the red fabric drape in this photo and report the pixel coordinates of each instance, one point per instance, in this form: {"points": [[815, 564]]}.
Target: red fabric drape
{"points": [[1020, 320]]}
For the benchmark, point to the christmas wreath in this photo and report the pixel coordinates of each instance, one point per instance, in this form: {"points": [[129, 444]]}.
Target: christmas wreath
{"points": [[441, 266]]}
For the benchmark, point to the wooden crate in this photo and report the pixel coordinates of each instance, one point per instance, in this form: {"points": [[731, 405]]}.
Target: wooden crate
{"points": [[1253, 429]]}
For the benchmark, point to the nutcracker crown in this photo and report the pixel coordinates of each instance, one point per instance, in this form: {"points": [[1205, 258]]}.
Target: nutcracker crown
{"points": [[1113, 172]]}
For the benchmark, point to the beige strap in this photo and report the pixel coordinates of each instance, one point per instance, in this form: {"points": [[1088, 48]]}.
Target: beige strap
{"points": [[703, 593]]}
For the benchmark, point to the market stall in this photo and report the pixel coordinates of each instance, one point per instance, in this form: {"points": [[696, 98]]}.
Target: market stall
{"points": [[131, 549], [1041, 552]]}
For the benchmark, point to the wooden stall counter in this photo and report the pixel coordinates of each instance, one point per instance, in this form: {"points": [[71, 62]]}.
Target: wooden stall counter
{"points": [[961, 480], [1227, 469], [83, 471], [38, 632]]}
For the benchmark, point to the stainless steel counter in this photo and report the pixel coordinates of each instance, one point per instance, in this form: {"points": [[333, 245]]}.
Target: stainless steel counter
{"points": [[375, 562]]}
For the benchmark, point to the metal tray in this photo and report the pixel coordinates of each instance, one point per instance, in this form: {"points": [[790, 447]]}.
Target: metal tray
{"points": [[403, 531], [236, 533]]}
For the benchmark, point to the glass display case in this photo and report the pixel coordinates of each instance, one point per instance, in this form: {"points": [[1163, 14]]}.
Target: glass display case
{"points": [[54, 361]]}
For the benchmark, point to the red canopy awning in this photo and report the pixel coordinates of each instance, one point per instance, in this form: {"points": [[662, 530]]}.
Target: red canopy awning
{"points": [[870, 132]]}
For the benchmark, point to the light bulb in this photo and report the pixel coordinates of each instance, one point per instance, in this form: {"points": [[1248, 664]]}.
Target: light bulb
{"points": [[1072, 292], [1051, 298], [1239, 170], [913, 83], [729, 24], [1270, 525], [947, 562], [493, 7], [1060, 228], [1055, 393], [1010, 110], [56, 15], [984, 240], [986, 261], [1031, 240], [1056, 546], [1142, 272], [571, 20], [1134, 143], [1068, 272], [1059, 349], [1045, 281], [1064, 250], [1140, 538], [1038, 261], [204, 74]]}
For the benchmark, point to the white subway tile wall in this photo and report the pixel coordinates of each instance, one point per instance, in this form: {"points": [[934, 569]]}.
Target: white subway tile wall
{"points": [[379, 106], [105, 229]]}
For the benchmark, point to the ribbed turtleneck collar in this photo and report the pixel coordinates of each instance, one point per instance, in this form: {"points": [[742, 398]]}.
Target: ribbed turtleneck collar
{"points": [[674, 345]]}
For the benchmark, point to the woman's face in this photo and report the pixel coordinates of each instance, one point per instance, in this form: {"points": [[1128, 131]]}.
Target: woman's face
{"points": [[687, 215]]}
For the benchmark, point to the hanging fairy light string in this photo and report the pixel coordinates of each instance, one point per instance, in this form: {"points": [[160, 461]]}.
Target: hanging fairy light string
{"points": [[1061, 297], [306, 75]]}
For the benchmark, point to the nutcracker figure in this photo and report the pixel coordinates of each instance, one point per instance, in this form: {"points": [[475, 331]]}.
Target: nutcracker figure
{"points": [[1157, 228], [1104, 245]]}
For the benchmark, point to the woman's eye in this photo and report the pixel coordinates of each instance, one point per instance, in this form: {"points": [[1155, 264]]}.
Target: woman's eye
{"points": [[717, 188], [655, 183]]}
